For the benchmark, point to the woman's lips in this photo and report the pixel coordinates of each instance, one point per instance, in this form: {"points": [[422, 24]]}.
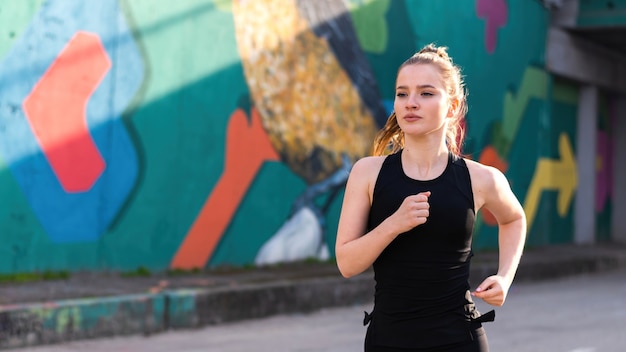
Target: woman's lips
{"points": [[412, 117]]}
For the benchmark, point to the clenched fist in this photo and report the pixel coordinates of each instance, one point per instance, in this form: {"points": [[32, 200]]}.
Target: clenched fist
{"points": [[413, 211]]}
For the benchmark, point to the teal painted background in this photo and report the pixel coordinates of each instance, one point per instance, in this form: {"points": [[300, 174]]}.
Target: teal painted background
{"points": [[194, 82], [598, 13]]}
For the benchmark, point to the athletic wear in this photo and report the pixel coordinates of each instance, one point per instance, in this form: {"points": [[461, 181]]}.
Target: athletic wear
{"points": [[422, 296], [478, 343]]}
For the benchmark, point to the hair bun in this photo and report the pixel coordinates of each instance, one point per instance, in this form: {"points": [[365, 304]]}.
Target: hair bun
{"points": [[441, 51]]}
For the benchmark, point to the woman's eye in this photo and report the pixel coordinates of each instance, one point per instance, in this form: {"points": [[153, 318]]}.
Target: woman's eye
{"points": [[401, 95], [427, 94]]}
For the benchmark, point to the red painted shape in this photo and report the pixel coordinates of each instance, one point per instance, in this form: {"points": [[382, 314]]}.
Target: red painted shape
{"points": [[247, 148], [490, 157], [56, 110]]}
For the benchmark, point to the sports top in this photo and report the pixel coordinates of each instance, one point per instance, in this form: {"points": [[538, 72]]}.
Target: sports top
{"points": [[422, 296]]}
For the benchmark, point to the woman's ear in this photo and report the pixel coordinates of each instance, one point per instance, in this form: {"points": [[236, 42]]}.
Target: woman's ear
{"points": [[454, 104]]}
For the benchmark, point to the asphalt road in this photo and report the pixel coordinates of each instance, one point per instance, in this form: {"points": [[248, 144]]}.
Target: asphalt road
{"points": [[577, 314]]}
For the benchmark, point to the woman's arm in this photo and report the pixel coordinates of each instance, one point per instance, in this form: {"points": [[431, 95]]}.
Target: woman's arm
{"points": [[356, 250], [493, 192]]}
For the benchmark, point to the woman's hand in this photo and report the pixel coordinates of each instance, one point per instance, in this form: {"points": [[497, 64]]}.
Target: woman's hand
{"points": [[493, 290], [413, 212]]}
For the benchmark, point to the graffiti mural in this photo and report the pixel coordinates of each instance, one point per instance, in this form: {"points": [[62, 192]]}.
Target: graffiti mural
{"points": [[219, 132], [62, 136], [293, 57]]}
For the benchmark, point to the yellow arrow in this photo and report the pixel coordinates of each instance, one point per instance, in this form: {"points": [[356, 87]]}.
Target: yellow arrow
{"points": [[550, 174]]}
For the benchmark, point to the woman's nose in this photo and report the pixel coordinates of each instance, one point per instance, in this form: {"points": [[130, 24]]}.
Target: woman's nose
{"points": [[411, 102]]}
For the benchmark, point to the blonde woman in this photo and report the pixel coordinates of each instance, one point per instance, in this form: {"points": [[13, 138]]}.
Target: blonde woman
{"points": [[409, 211]]}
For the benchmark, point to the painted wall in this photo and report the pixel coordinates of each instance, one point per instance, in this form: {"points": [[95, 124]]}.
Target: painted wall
{"points": [[601, 13], [211, 132]]}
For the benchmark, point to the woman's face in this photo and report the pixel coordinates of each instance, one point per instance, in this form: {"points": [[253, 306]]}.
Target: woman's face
{"points": [[421, 104]]}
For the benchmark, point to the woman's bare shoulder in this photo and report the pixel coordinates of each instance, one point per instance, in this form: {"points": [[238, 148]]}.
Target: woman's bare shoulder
{"points": [[366, 169], [371, 161], [481, 172], [485, 178], [363, 176], [368, 165], [493, 191], [489, 184]]}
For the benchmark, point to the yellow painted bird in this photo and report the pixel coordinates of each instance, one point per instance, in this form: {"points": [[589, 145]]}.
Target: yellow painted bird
{"points": [[314, 89], [296, 57]]}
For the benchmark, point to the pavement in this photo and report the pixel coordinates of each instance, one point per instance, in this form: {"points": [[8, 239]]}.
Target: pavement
{"points": [[93, 305]]}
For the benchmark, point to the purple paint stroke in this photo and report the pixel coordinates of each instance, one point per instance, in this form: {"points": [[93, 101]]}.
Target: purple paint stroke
{"points": [[603, 170], [604, 175], [495, 13]]}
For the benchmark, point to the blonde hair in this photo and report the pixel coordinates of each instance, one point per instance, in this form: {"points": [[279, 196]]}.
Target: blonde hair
{"points": [[390, 138]]}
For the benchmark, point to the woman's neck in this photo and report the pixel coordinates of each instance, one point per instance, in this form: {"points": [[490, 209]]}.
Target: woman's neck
{"points": [[422, 159]]}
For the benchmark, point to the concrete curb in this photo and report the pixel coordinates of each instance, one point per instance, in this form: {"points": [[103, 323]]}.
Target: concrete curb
{"points": [[195, 308], [54, 322], [67, 320]]}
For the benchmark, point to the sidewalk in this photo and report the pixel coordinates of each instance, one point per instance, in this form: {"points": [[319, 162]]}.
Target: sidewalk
{"points": [[99, 305]]}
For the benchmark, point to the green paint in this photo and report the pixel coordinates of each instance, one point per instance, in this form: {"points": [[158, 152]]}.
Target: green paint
{"points": [[385, 64], [20, 232], [192, 87], [45, 315], [66, 318], [536, 140], [194, 81], [565, 92], [534, 85], [332, 221], [601, 5], [264, 209], [432, 22], [182, 308], [604, 116], [223, 5], [177, 40], [602, 13], [487, 76], [549, 228], [94, 312], [370, 23], [14, 18], [525, 120], [59, 319]]}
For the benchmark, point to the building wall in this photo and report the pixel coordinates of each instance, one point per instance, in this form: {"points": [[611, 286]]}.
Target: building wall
{"points": [[601, 13], [208, 133]]}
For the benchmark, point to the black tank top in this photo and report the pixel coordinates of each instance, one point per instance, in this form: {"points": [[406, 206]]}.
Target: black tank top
{"points": [[422, 294]]}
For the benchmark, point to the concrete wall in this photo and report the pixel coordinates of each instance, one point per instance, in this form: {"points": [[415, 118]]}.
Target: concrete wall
{"points": [[208, 133]]}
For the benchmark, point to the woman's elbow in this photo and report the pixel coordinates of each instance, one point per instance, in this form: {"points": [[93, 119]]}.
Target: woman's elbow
{"points": [[344, 266], [345, 272]]}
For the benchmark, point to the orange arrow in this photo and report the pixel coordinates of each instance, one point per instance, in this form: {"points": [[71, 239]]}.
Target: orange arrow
{"points": [[247, 148]]}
